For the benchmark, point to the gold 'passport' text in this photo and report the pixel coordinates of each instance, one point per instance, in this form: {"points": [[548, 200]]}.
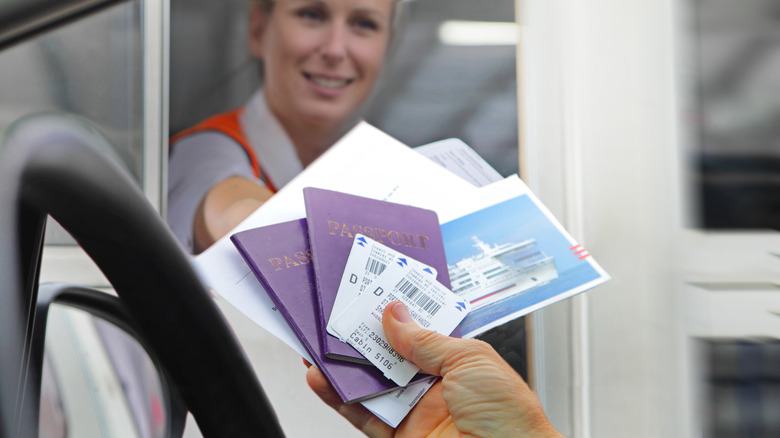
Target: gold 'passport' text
{"points": [[396, 238], [298, 258]]}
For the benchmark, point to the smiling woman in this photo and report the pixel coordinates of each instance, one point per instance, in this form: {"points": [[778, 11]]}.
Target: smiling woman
{"points": [[321, 59]]}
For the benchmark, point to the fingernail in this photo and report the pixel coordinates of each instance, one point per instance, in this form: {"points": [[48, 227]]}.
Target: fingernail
{"points": [[401, 313]]}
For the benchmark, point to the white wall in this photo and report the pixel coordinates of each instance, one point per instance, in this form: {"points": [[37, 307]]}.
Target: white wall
{"points": [[602, 150]]}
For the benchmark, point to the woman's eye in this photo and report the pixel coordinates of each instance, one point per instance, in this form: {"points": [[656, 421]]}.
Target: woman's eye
{"points": [[311, 14], [366, 24]]}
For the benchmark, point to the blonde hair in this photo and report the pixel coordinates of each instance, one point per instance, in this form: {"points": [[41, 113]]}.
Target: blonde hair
{"points": [[398, 9]]}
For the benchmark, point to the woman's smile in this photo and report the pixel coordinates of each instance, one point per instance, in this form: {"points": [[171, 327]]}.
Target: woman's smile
{"points": [[327, 81]]}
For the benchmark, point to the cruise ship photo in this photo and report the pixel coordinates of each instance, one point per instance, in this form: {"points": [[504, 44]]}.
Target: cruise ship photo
{"points": [[501, 271]]}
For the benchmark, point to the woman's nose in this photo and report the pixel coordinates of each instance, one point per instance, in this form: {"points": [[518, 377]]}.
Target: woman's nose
{"points": [[334, 48]]}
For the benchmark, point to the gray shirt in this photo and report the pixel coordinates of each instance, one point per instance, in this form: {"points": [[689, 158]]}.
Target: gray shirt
{"points": [[201, 160]]}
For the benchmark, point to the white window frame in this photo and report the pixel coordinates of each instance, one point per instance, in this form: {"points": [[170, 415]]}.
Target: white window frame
{"points": [[541, 106], [69, 263]]}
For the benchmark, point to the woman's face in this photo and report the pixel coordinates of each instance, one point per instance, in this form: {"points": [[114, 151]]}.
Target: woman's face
{"points": [[321, 57]]}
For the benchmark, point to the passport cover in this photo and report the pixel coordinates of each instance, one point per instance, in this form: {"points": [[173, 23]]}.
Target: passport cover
{"points": [[279, 257], [335, 217]]}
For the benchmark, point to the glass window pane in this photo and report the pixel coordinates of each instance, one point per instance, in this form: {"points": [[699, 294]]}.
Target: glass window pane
{"points": [[738, 92], [92, 67]]}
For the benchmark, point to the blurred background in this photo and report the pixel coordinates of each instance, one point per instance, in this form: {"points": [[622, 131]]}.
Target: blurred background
{"points": [[649, 128]]}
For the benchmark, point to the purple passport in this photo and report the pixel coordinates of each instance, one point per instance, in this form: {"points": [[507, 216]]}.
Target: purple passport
{"points": [[334, 219], [279, 257]]}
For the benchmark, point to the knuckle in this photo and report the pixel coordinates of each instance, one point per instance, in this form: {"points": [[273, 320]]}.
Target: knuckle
{"points": [[425, 338], [471, 352]]}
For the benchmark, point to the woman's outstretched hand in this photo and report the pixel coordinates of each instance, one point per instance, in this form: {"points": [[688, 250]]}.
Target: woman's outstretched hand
{"points": [[479, 394]]}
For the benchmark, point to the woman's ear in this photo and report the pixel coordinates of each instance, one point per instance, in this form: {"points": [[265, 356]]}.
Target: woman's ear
{"points": [[258, 22]]}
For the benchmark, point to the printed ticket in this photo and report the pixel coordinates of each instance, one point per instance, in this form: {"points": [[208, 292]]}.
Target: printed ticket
{"points": [[367, 260], [430, 303]]}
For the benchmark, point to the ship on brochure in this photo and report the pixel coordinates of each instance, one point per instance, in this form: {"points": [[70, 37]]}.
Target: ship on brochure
{"points": [[501, 271]]}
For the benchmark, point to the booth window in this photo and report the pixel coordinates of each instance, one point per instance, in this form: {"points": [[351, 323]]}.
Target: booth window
{"points": [[92, 67], [737, 164]]}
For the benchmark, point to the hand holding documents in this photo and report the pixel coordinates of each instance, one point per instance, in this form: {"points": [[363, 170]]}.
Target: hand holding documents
{"points": [[280, 258], [506, 255]]}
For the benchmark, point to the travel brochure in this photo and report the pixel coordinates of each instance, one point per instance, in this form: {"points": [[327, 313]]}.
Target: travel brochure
{"points": [[506, 255], [512, 258]]}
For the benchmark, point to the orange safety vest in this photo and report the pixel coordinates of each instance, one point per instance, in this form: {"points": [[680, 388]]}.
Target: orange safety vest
{"points": [[227, 124]]}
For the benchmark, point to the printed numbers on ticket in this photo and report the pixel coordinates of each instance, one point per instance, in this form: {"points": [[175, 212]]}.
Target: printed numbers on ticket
{"points": [[367, 260], [430, 303]]}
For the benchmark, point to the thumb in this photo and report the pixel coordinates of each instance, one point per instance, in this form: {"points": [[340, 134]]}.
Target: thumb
{"points": [[434, 353]]}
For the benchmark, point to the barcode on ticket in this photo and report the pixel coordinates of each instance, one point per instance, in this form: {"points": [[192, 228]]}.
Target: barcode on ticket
{"points": [[374, 266], [426, 302]]}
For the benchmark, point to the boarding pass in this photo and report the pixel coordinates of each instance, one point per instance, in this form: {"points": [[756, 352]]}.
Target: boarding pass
{"points": [[430, 303], [367, 260]]}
